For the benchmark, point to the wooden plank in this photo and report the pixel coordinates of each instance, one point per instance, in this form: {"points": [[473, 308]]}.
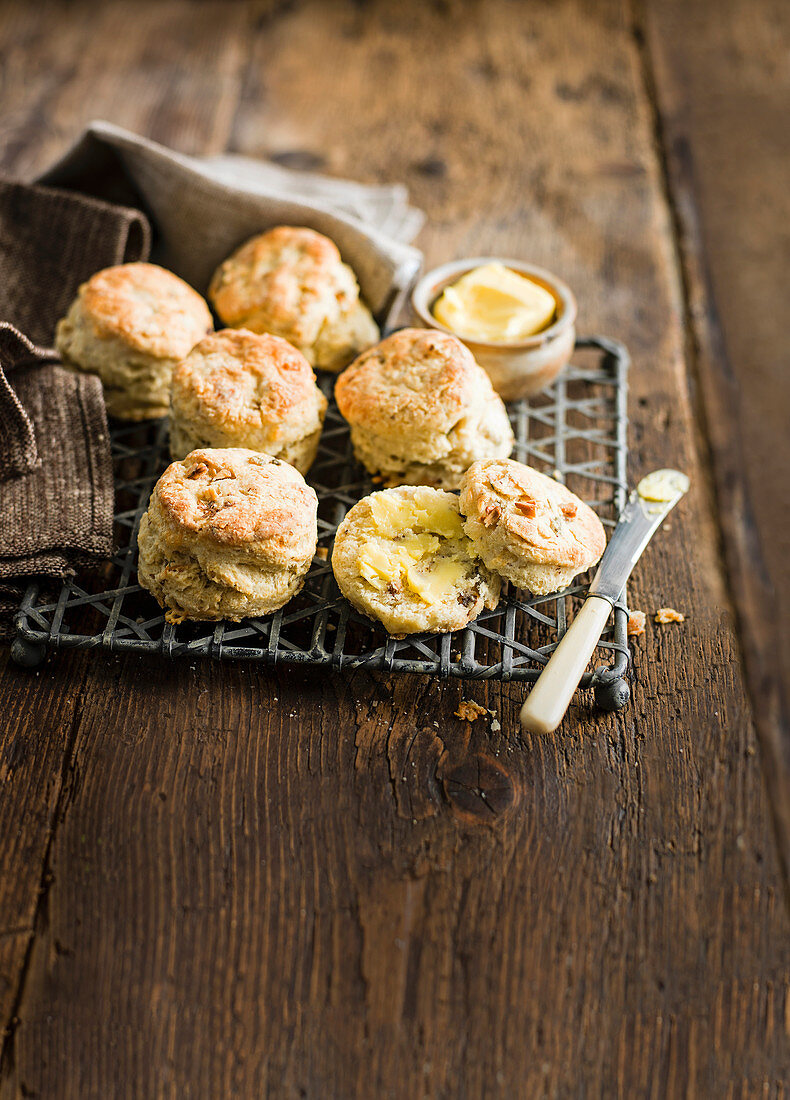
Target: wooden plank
{"points": [[36, 739], [721, 86], [286, 884], [39, 45]]}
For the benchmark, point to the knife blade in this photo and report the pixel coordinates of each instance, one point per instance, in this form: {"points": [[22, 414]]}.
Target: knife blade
{"points": [[647, 508]]}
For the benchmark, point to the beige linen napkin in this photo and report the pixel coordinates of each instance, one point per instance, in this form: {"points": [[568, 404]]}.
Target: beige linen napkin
{"points": [[201, 208]]}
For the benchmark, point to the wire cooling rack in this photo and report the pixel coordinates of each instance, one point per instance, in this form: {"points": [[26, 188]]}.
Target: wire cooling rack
{"points": [[576, 432]]}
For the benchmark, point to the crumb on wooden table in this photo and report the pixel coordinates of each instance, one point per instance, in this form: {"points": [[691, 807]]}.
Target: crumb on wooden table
{"points": [[636, 623], [470, 711], [669, 615]]}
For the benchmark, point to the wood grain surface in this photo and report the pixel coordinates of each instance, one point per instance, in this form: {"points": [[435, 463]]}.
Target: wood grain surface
{"points": [[219, 881], [721, 87]]}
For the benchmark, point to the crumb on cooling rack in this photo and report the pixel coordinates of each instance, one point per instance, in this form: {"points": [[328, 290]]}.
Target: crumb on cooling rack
{"points": [[174, 617], [470, 711], [669, 615], [636, 624], [322, 553]]}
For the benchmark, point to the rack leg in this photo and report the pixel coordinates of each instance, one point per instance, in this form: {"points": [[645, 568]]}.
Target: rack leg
{"points": [[27, 654], [611, 693]]}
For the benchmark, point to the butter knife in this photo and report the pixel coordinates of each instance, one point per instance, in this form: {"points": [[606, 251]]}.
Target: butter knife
{"points": [[648, 506]]}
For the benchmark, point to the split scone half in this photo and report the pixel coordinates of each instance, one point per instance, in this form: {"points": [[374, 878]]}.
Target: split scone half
{"points": [[292, 282], [131, 324], [229, 533], [241, 389], [421, 410], [401, 556], [528, 527]]}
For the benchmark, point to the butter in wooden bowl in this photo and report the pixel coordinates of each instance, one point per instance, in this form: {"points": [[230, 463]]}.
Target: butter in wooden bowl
{"points": [[518, 320], [495, 304]]}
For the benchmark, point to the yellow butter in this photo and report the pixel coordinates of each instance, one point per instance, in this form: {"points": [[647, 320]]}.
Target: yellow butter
{"points": [[382, 561], [424, 510], [662, 485], [494, 303], [432, 584], [407, 533]]}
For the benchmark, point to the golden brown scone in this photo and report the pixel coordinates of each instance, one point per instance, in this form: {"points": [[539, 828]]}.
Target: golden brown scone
{"points": [[241, 389], [421, 410], [229, 533], [528, 527], [401, 556], [130, 325], [291, 281]]}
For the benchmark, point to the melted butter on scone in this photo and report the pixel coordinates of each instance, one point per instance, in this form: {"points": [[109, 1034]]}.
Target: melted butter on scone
{"points": [[407, 545], [431, 581], [382, 561], [394, 515]]}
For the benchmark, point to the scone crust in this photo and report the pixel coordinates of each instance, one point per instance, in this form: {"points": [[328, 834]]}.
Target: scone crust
{"points": [[402, 611], [242, 389], [421, 409], [228, 533], [527, 526], [148, 308], [292, 282], [130, 324]]}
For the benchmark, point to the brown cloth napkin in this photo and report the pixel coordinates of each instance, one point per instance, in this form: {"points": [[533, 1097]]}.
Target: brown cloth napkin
{"points": [[56, 486]]}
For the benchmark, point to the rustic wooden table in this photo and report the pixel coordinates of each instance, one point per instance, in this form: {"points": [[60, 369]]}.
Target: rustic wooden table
{"points": [[215, 881]]}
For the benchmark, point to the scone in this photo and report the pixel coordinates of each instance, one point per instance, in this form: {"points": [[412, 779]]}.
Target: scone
{"points": [[228, 534], [401, 556], [291, 282], [528, 527], [240, 389], [421, 410], [130, 325]]}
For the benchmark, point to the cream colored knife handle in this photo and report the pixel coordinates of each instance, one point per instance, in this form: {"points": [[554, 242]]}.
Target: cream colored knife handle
{"points": [[549, 699]]}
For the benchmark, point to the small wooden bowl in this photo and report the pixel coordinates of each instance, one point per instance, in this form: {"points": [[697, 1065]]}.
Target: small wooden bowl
{"points": [[519, 369]]}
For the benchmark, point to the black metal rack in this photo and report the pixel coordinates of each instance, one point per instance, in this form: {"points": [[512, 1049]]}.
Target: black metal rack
{"points": [[575, 431]]}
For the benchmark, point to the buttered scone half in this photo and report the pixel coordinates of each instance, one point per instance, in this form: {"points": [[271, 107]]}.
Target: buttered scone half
{"points": [[292, 282], [240, 389], [229, 533], [401, 556], [528, 527], [421, 410], [130, 325]]}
